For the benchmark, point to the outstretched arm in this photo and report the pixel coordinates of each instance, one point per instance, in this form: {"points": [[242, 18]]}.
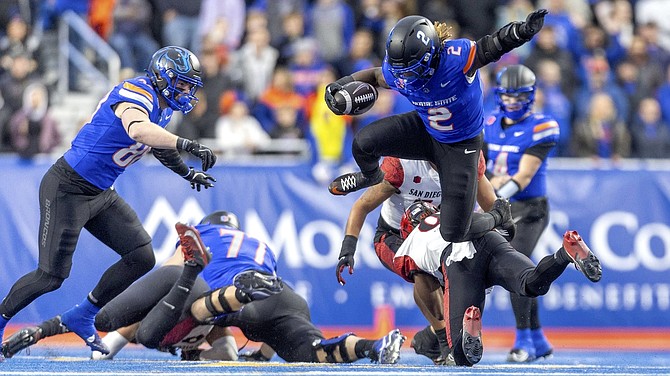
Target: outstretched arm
{"points": [[491, 48]]}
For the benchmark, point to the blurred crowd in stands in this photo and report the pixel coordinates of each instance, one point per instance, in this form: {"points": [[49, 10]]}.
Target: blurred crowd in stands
{"points": [[603, 67]]}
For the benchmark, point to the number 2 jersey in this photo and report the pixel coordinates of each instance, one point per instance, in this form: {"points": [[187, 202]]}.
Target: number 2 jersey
{"points": [[450, 104], [102, 149], [233, 251], [507, 145]]}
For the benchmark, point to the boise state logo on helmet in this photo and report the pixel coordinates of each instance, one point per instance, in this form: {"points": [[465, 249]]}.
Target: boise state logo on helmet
{"points": [[171, 70]]}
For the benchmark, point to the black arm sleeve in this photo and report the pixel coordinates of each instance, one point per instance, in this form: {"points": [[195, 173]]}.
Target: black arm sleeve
{"points": [[491, 48], [540, 150], [172, 160]]}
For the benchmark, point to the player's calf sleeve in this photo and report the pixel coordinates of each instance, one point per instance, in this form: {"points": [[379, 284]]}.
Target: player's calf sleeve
{"points": [[28, 288], [123, 273]]}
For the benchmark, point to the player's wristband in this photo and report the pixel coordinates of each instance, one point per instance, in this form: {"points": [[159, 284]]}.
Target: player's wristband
{"points": [[509, 189]]}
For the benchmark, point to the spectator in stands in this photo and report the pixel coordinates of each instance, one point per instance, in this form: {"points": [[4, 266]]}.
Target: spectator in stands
{"points": [[254, 63], [361, 54], [279, 11], [286, 124], [33, 130], [237, 132], [567, 18], [663, 96], [616, 19], [600, 79], [474, 24], [597, 42], [331, 24], [17, 40], [369, 16], [547, 48], [131, 37], [655, 11], [180, 23], [650, 33], [650, 134], [280, 94], [329, 132], [222, 21], [552, 101], [306, 66], [602, 134], [12, 86], [293, 31], [650, 70], [201, 121]]}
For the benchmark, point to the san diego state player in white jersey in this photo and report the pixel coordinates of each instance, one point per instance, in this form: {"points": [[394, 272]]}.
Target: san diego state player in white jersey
{"points": [[440, 78], [518, 142], [468, 269], [76, 193], [405, 182]]}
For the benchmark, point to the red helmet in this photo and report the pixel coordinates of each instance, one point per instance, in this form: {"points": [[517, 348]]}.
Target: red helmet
{"points": [[413, 215]]}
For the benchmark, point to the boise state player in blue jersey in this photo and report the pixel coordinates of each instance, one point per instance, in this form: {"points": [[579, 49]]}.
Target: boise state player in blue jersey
{"points": [[76, 193], [519, 142], [440, 78], [239, 271]]}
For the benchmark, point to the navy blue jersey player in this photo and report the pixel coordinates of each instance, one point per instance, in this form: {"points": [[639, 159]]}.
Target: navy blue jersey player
{"points": [[76, 193], [518, 142], [440, 78]]}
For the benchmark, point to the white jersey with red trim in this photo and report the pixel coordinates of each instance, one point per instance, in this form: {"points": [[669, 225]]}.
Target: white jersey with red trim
{"points": [[414, 180], [424, 246]]}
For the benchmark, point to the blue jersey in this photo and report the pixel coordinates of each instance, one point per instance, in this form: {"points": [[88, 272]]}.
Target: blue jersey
{"points": [[451, 104], [506, 147], [233, 252], [102, 149]]}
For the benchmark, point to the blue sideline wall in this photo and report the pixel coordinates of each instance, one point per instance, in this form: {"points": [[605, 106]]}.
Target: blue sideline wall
{"points": [[622, 214]]}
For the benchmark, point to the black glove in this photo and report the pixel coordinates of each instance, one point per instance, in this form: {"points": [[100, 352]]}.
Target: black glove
{"points": [[331, 89], [205, 154], [507, 230], [253, 356], [199, 178], [346, 257], [533, 24]]}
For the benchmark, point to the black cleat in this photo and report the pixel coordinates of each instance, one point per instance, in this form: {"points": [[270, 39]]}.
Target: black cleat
{"points": [[353, 182], [21, 340], [580, 254]]}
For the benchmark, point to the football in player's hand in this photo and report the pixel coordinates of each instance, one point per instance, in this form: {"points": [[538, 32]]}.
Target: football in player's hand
{"points": [[355, 98]]}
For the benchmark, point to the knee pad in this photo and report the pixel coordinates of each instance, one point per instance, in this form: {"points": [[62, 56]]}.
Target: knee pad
{"points": [[331, 345], [140, 259]]}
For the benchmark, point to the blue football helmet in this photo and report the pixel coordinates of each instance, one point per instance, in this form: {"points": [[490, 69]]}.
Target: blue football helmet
{"points": [[412, 52], [222, 217], [516, 81], [173, 67]]}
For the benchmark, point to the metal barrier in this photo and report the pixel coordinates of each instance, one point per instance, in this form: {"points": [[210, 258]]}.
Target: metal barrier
{"points": [[87, 40]]}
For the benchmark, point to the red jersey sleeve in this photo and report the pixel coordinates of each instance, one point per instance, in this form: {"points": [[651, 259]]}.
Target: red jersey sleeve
{"points": [[393, 171]]}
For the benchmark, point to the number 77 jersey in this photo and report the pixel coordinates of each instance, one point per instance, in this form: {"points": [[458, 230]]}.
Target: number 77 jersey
{"points": [[233, 251], [451, 103]]}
